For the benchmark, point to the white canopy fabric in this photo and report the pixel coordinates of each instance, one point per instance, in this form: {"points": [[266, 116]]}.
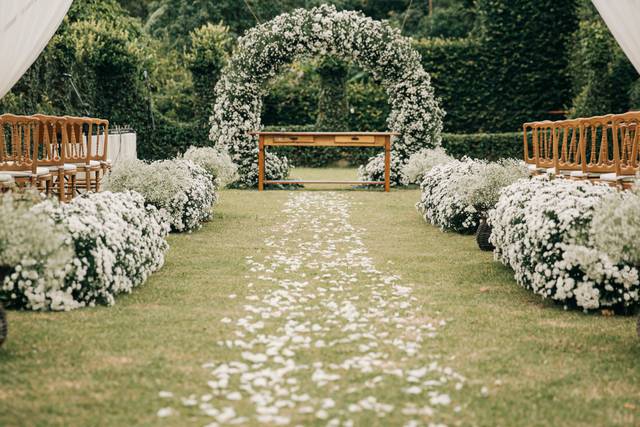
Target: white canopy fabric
{"points": [[26, 26], [623, 19]]}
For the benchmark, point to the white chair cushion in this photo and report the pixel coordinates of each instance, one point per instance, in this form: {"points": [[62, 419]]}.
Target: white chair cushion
{"points": [[5, 178], [578, 174], [613, 177], [22, 174], [66, 166], [531, 167], [91, 163]]}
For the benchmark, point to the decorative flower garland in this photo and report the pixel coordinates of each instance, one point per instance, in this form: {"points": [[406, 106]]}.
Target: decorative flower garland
{"points": [[370, 44]]}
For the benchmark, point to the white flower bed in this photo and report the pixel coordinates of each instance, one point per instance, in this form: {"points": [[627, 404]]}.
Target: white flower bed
{"points": [[543, 230], [62, 257], [422, 162], [372, 45], [217, 163], [441, 204], [185, 190]]}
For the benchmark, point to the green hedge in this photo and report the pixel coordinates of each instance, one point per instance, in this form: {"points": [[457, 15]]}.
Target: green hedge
{"points": [[455, 72], [490, 146], [168, 139]]}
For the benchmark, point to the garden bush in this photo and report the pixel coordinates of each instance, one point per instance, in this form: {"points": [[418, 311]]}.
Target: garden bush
{"points": [[489, 146], [557, 237], [457, 194], [440, 202], [217, 163], [186, 191], [422, 162], [65, 256]]}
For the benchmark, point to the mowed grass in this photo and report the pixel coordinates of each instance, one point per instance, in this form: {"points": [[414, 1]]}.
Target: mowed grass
{"points": [[105, 365]]}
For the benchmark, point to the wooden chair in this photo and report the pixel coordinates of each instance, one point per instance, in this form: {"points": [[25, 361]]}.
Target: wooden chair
{"points": [[567, 151], [53, 138], [542, 137], [595, 148], [19, 152], [78, 151], [626, 146]]}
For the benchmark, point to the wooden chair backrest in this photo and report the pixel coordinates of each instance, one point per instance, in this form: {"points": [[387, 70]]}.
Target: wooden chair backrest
{"points": [[543, 139], [52, 138], [18, 143], [566, 145], [599, 152], [88, 139], [627, 140]]}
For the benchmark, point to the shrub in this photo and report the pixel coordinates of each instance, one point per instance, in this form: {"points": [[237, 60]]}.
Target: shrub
{"points": [[489, 146], [482, 189], [422, 162], [518, 48], [180, 187], [615, 227], [78, 254], [441, 204], [205, 58], [541, 229], [217, 163]]}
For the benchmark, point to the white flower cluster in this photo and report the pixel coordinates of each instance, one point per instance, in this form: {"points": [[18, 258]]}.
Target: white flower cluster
{"points": [[217, 163], [441, 204], [183, 189], [66, 256], [543, 230], [321, 31], [422, 162], [482, 189]]}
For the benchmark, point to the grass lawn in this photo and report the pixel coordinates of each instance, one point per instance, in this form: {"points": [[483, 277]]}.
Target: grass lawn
{"points": [[104, 366]]}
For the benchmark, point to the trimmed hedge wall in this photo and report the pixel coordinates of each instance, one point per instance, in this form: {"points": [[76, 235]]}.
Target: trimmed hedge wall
{"points": [[455, 72], [489, 146]]}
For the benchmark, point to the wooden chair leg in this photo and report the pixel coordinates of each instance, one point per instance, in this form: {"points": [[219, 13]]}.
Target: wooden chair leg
{"points": [[61, 194]]}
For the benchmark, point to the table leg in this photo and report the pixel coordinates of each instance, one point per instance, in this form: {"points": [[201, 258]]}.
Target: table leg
{"points": [[260, 164], [387, 166]]}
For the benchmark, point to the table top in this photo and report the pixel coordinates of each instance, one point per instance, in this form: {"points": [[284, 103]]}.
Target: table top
{"points": [[326, 133]]}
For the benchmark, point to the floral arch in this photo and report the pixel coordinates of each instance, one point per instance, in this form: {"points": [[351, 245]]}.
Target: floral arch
{"points": [[372, 45]]}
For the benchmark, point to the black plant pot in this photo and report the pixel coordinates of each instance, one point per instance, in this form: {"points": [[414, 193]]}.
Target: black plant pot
{"points": [[482, 235], [3, 325]]}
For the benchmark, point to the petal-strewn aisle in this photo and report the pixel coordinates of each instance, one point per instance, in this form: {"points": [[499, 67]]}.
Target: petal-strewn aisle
{"points": [[325, 336]]}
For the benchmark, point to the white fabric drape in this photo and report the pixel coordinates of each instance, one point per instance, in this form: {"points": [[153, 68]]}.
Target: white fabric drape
{"points": [[623, 19], [26, 26]]}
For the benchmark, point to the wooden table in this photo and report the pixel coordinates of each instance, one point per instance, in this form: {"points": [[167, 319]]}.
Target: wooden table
{"points": [[324, 139]]}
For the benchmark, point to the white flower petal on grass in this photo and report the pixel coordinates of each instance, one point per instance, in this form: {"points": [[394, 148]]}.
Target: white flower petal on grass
{"points": [[165, 412]]}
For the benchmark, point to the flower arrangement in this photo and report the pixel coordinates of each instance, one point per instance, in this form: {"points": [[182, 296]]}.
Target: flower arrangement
{"points": [[441, 204], [217, 163], [183, 189], [552, 234], [67, 256], [321, 31], [482, 188], [422, 162]]}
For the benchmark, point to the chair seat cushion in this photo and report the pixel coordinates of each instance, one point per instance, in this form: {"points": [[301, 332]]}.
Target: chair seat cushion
{"points": [[92, 163], [66, 166], [613, 177], [22, 174], [5, 178]]}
